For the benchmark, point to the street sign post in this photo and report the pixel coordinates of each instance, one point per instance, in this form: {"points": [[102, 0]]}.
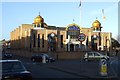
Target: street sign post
{"points": [[81, 38]]}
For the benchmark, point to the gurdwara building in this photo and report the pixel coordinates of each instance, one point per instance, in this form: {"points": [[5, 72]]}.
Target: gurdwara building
{"points": [[41, 37]]}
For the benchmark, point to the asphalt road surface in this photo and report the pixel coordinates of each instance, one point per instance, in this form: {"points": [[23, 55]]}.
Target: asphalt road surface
{"points": [[71, 69]]}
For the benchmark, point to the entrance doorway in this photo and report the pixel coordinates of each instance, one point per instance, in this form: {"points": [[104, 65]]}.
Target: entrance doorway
{"points": [[71, 47], [51, 42], [94, 46]]}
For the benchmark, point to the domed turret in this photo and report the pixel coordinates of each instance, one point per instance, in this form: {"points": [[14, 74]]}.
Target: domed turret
{"points": [[38, 20], [96, 25]]}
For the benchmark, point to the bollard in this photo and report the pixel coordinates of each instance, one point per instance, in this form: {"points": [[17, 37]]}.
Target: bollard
{"points": [[103, 67], [43, 59]]}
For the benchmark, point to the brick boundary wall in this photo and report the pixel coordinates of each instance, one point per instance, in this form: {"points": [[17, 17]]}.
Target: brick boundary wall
{"points": [[57, 55], [70, 55]]}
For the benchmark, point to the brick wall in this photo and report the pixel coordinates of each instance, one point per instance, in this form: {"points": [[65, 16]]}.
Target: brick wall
{"points": [[57, 55]]}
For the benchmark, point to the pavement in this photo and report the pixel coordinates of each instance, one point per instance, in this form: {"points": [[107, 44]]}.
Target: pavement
{"points": [[82, 70]]}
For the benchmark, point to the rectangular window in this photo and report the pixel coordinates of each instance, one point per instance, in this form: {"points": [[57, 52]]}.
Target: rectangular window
{"points": [[42, 40], [38, 25], [99, 39], [34, 40], [67, 35], [38, 40], [30, 41], [67, 47], [61, 41]]}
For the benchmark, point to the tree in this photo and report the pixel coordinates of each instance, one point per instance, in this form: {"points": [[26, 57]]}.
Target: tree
{"points": [[115, 43]]}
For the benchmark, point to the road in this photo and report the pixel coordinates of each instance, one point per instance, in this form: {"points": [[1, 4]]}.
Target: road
{"points": [[115, 64], [71, 69], [44, 71]]}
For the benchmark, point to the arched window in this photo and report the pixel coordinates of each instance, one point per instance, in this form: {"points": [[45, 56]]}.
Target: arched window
{"points": [[34, 25], [38, 25]]}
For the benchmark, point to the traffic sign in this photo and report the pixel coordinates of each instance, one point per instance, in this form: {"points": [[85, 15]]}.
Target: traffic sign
{"points": [[81, 37], [103, 61]]}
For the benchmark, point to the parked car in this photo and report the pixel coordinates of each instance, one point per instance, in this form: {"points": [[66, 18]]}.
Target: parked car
{"points": [[14, 70], [94, 56], [36, 58], [7, 55], [39, 57], [48, 57]]}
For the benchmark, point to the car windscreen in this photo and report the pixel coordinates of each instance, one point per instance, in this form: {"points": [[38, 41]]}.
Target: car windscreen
{"points": [[90, 54], [96, 54], [12, 67]]}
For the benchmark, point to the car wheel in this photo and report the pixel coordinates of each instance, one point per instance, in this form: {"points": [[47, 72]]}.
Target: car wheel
{"points": [[47, 61], [86, 59], [33, 60]]}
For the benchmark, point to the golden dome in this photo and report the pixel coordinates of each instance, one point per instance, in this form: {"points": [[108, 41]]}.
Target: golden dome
{"points": [[96, 23], [38, 20]]}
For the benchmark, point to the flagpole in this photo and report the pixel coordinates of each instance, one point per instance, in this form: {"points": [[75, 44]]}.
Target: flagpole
{"points": [[80, 14], [103, 20], [103, 17], [80, 21], [80, 4]]}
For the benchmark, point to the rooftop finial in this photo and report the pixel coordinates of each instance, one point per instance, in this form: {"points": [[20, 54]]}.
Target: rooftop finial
{"points": [[96, 17], [73, 20], [39, 13]]}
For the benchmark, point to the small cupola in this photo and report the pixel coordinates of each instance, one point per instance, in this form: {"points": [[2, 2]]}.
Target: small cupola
{"points": [[96, 25], [38, 20]]}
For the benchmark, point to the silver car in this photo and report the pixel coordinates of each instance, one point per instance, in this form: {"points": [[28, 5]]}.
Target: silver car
{"points": [[94, 56]]}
